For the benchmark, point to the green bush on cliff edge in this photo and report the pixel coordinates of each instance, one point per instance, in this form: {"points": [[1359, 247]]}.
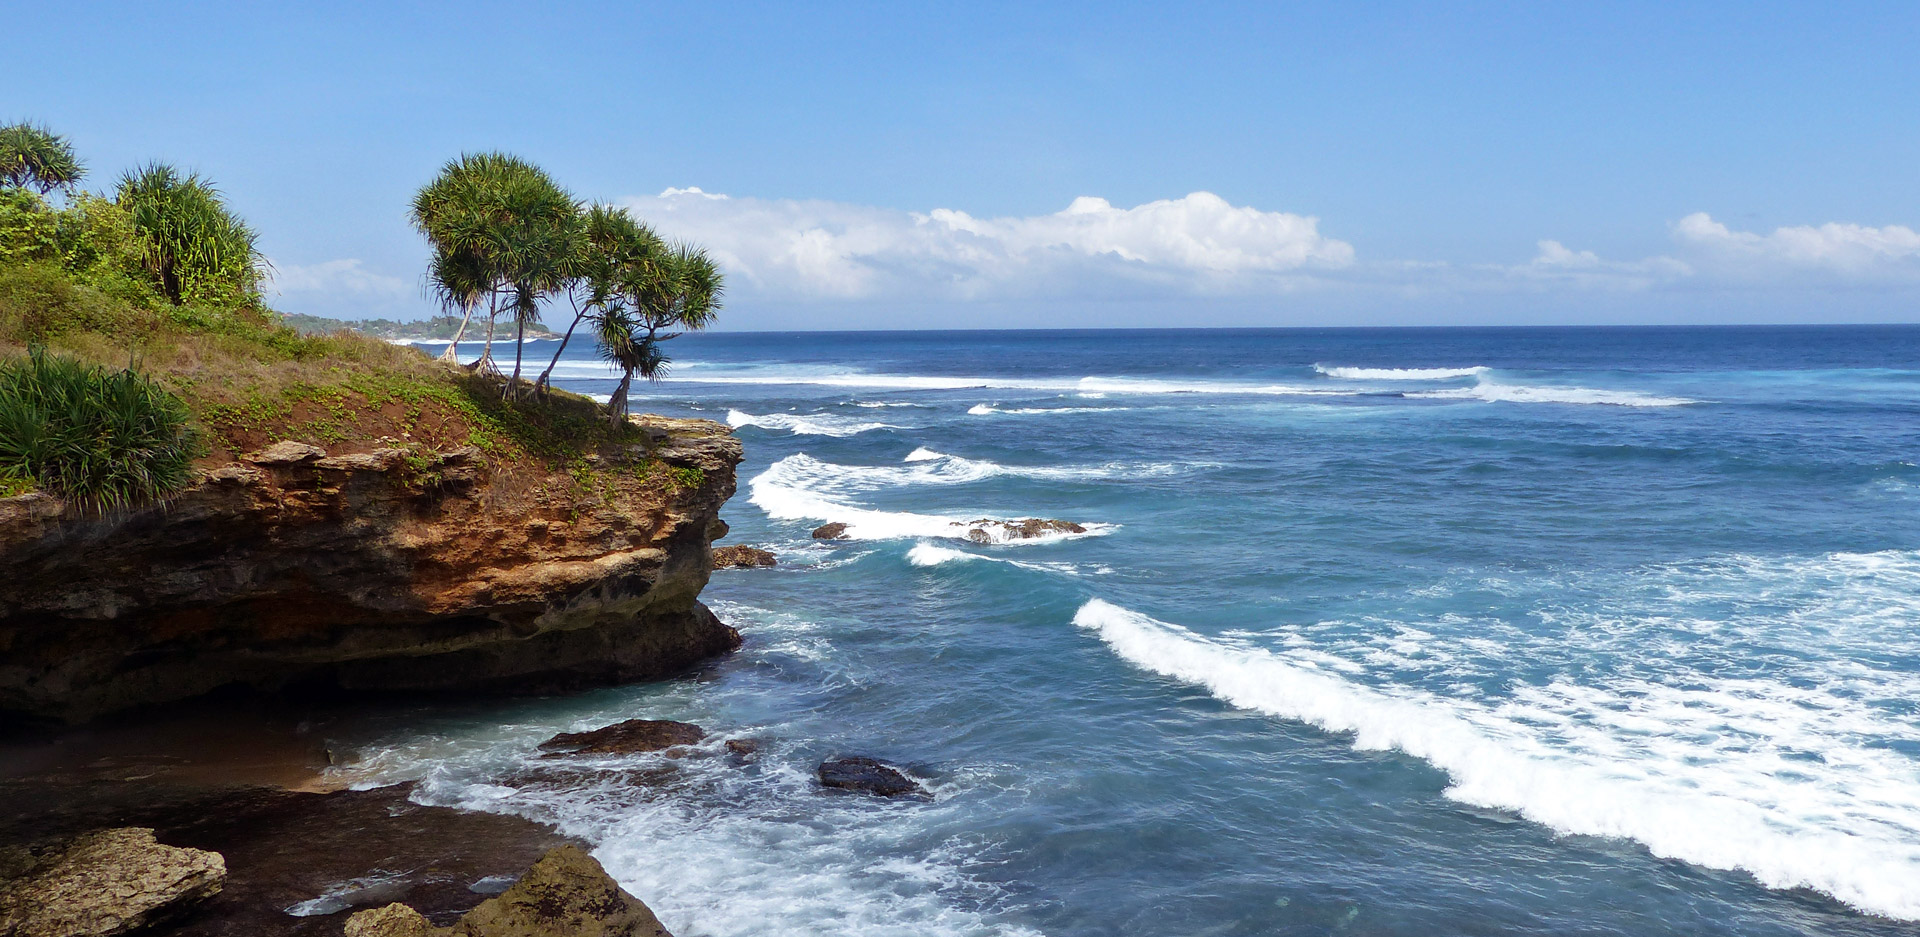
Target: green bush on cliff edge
{"points": [[100, 439]]}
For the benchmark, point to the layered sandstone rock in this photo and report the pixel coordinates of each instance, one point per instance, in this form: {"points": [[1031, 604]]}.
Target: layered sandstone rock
{"points": [[384, 570], [103, 883]]}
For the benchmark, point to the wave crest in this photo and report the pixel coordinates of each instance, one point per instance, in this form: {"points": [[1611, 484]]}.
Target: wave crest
{"points": [[1399, 374], [816, 424], [1495, 757]]}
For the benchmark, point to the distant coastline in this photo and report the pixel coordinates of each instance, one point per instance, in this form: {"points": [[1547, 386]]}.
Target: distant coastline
{"points": [[438, 328]]}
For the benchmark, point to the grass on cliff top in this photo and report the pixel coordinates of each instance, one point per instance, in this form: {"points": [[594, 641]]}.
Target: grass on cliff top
{"points": [[249, 380]]}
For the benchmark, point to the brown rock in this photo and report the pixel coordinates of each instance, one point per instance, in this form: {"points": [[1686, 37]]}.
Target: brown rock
{"points": [[107, 882], [743, 747], [833, 531], [364, 572], [866, 774], [394, 920], [983, 530], [286, 452], [633, 735], [741, 557], [565, 894]]}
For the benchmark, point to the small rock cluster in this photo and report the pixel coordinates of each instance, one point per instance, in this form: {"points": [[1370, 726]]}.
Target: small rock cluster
{"points": [[741, 557], [565, 894]]}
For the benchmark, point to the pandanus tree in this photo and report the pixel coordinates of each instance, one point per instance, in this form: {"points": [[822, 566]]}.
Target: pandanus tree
{"points": [[33, 157], [193, 246], [615, 248], [680, 293], [501, 230]]}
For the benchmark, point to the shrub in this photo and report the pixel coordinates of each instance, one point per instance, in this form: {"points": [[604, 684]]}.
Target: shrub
{"points": [[100, 439], [39, 302]]}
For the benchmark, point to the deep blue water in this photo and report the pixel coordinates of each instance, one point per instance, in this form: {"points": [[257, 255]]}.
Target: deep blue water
{"points": [[1387, 632]]}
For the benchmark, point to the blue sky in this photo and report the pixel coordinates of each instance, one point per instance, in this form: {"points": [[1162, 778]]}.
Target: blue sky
{"points": [[888, 167]]}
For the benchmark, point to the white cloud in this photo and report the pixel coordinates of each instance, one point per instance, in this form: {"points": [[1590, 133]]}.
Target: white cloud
{"points": [[1847, 251], [335, 276], [1196, 245]]}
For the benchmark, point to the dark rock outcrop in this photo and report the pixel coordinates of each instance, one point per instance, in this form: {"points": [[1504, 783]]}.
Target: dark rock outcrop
{"points": [[388, 570], [322, 855], [103, 883], [633, 735], [859, 773], [565, 894], [986, 529], [743, 747], [833, 531], [742, 557]]}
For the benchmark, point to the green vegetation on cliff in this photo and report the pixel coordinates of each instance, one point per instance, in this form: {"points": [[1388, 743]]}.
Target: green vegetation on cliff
{"points": [[153, 295]]}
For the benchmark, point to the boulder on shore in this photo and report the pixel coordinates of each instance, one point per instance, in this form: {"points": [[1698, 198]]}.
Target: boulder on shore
{"points": [[625, 738], [859, 773], [565, 894], [833, 531], [103, 883], [985, 529], [742, 557]]}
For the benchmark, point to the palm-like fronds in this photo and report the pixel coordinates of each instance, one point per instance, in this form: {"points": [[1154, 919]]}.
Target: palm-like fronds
{"points": [[194, 247], [100, 439], [33, 157]]}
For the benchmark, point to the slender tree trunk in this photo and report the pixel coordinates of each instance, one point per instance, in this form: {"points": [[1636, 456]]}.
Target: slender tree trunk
{"points": [[485, 364], [519, 346], [617, 404], [453, 348], [541, 384]]}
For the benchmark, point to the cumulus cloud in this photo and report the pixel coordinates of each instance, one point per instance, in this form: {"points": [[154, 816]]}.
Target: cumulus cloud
{"points": [[1196, 245], [1849, 251], [335, 276]]}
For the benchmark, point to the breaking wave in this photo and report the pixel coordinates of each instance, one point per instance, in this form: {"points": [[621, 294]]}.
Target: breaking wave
{"points": [[802, 488], [814, 424], [1766, 775], [1399, 374], [1525, 393]]}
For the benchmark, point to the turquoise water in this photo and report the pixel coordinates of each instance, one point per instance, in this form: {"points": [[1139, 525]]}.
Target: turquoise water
{"points": [[1394, 632]]}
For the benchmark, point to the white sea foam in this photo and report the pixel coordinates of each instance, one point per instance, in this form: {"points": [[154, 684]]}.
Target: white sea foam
{"points": [[928, 555], [1787, 776], [812, 424], [1527, 393], [983, 409], [1399, 374], [800, 487], [1083, 385], [716, 849]]}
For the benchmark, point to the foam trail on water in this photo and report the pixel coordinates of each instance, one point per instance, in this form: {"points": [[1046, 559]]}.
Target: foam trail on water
{"points": [[926, 555], [816, 424], [1399, 374], [1525, 393], [800, 487], [1083, 385], [983, 409], [1787, 836]]}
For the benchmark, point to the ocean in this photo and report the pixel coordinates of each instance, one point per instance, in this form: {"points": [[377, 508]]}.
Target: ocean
{"points": [[1371, 632]]}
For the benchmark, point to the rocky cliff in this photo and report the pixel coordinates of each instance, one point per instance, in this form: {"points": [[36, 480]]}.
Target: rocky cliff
{"points": [[386, 569]]}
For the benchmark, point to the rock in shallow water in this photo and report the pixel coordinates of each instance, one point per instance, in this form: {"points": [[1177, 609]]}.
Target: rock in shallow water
{"points": [[565, 894], [833, 531], [867, 774], [983, 530], [106, 882], [625, 738], [742, 557]]}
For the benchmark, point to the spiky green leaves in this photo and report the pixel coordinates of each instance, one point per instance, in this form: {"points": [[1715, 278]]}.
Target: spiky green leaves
{"points": [[193, 246], [498, 224], [100, 439], [33, 157]]}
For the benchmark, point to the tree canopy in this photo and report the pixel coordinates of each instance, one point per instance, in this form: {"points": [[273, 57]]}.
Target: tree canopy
{"points": [[33, 157]]}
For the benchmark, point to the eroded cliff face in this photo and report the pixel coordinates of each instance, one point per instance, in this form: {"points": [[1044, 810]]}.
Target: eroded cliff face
{"points": [[384, 570]]}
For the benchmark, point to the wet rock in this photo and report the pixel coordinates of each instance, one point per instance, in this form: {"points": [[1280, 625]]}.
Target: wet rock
{"points": [[623, 738], [985, 529], [743, 747], [866, 774], [103, 883], [741, 557], [394, 920], [565, 894], [833, 531]]}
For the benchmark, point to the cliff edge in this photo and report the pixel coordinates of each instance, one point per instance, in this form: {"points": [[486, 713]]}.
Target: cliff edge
{"points": [[415, 568]]}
